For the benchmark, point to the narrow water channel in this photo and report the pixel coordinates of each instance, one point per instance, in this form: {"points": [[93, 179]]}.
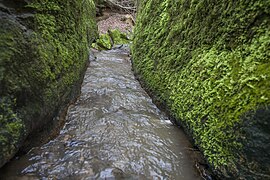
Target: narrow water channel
{"points": [[113, 131]]}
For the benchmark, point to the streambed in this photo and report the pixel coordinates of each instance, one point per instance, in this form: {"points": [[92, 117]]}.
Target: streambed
{"points": [[112, 131]]}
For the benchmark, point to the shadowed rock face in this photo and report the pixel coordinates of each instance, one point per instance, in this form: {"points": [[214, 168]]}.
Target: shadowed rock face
{"points": [[15, 50], [43, 54], [256, 128]]}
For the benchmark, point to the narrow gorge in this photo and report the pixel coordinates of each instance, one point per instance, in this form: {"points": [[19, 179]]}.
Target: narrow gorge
{"points": [[72, 105]]}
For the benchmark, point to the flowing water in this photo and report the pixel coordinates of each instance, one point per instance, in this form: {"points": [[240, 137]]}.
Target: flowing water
{"points": [[113, 131]]}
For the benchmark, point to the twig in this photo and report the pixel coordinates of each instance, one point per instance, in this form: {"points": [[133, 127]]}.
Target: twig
{"points": [[130, 7]]}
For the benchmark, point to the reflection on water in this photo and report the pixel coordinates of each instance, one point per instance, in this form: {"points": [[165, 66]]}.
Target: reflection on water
{"points": [[113, 131]]}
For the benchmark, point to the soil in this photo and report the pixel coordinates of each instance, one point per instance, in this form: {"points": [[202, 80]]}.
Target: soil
{"points": [[115, 20]]}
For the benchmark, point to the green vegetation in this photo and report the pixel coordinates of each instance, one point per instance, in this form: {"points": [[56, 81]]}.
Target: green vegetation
{"points": [[43, 58], [12, 128], [113, 37], [208, 61], [104, 42]]}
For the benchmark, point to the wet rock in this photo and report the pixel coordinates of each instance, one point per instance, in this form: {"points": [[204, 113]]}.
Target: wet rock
{"points": [[255, 154]]}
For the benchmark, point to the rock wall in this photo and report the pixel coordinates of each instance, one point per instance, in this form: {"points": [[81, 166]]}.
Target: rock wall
{"points": [[44, 52], [208, 61]]}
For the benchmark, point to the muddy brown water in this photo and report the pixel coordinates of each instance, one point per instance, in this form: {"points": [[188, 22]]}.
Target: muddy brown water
{"points": [[113, 131]]}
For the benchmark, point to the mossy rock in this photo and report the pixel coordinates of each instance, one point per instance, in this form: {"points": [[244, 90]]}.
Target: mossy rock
{"points": [[44, 47], [108, 40], [12, 129], [211, 68], [104, 42], [118, 37]]}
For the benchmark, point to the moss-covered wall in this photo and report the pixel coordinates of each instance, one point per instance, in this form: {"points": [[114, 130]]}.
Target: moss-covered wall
{"points": [[44, 47], [209, 62]]}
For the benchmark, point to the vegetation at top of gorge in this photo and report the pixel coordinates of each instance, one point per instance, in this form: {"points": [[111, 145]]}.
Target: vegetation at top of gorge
{"points": [[44, 48], [208, 61]]}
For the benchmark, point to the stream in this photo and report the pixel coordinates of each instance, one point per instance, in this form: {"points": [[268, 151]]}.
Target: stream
{"points": [[112, 131]]}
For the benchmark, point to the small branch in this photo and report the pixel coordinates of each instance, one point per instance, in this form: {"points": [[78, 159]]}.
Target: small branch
{"points": [[131, 7]]}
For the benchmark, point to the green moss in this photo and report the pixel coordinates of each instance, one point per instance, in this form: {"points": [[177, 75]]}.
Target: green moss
{"points": [[12, 128], [108, 40], [64, 31], [103, 42], [210, 67], [118, 37], [43, 56]]}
